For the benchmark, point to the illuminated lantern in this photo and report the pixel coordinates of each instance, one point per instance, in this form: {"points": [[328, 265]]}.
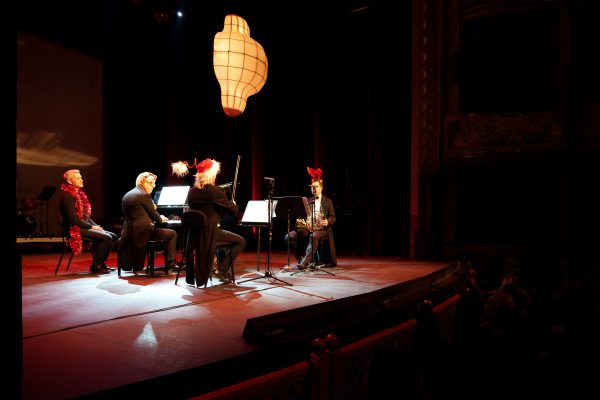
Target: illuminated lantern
{"points": [[240, 65]]}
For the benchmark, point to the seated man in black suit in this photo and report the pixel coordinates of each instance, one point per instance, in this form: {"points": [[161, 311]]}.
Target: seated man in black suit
{"points": [[320, 222], [75, 212], [140, 225]]}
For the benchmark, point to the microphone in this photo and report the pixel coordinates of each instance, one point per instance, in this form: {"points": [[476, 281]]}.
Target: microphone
{"points": [[268, 178]]}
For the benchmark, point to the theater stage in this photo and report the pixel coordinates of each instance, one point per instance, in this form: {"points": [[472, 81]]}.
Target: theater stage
{"points": [[101, 336]]}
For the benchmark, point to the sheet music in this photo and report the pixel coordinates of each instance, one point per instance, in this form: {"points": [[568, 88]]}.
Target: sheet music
{"points": [[257, 212], [171, 196]]}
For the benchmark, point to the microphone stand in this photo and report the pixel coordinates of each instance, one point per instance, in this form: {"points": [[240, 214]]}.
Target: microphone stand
{"points": [[44, 229], [268, 272], [313, 221], [288, 239]]}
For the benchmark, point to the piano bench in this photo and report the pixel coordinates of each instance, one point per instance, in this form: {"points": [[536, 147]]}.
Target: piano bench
{"points": [[152, 248]]}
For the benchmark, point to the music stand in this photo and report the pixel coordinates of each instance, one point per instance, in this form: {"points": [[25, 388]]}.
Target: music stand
{"points": [[255, 215], [289, 206], [44, 197], [259, 213]]}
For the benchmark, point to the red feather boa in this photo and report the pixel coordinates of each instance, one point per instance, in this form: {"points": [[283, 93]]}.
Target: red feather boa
{"points": [[83, 209]]}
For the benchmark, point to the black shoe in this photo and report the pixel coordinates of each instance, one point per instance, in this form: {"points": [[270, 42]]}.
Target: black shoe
{"points": [[103, 270], [99, 269], [107, 267], [222, 276], [301, 266], [172, 267]]}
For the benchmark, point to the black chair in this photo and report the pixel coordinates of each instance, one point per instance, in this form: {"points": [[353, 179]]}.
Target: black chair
{"points": [[325, 254], [193, 225], [152, 248], [65, 240]]}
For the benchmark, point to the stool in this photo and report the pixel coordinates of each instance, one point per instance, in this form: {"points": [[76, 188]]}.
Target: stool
{"points": [[152, 247]]}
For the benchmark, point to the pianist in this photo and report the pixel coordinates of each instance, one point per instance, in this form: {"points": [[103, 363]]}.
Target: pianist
{"points": [[140, 225]]}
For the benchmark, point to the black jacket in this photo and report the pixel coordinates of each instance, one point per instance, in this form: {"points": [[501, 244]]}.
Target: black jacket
{"points": [[140, 217], [213, 202]]}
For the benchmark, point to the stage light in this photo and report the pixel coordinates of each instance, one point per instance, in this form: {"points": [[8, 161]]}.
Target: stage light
{"points": [[179, 14], [161, 16], [240, 65]]}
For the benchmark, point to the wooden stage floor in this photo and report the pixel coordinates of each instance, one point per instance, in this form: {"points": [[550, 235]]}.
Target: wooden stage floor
{"points": [[86, 334]]}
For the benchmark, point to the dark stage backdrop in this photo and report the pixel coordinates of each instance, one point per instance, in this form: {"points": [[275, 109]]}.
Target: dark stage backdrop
{"points": [[328, 102], [332, 100], [59, 124]]}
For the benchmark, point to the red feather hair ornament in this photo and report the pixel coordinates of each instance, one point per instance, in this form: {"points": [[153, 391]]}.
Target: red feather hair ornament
{"points": [[315, 174]]}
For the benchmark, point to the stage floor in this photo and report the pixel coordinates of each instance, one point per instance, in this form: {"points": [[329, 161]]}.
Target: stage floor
{"points": [[85, 333]]}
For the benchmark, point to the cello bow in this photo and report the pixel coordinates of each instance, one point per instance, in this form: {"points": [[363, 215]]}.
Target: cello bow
{"points": [[235, 178]]}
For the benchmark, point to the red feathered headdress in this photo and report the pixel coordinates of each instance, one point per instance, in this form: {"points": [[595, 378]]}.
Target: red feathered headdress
{"points": [[315, 174], [208, 167]]}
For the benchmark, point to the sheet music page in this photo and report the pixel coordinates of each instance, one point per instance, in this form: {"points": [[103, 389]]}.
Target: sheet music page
{"points": [[257, 212], [173, 196]]}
